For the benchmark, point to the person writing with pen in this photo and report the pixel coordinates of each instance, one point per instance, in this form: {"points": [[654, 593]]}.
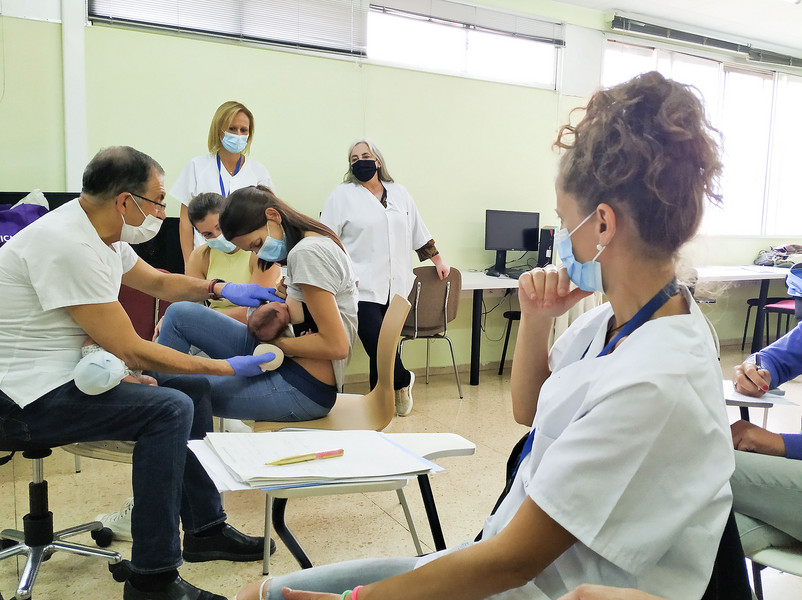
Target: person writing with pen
{"points": [[767, 482]]}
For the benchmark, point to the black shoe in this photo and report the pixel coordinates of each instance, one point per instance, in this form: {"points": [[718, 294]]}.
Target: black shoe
{"points": [[229, 544], [178, 589]]}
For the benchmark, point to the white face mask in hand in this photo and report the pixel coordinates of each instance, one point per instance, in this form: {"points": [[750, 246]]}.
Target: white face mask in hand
{"points": [[140, 233], [98, 372]]}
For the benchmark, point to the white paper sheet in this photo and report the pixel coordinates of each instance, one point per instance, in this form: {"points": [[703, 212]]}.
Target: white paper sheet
{"points": [[768, 399]]}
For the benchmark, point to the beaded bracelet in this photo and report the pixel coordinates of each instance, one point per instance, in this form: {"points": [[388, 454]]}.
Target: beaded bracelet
{"points": [[346, 594], [356, 589]]}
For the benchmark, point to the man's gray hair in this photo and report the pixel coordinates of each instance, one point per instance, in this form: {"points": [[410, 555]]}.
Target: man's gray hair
{"points": [[118, 169]]}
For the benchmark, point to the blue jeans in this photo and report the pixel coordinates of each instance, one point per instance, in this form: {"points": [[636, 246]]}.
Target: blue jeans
{"points": [[168, 481], [338, 577], [287, 394]]}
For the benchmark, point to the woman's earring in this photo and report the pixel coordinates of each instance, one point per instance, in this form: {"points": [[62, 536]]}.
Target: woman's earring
{"points": [[599, 246]]}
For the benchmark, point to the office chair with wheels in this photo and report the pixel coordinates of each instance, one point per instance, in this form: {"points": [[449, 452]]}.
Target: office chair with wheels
{"points": [[38, 541], [434, 305]]}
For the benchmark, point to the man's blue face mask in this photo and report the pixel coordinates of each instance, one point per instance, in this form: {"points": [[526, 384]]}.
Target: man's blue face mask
{"points": [[586, 276]]}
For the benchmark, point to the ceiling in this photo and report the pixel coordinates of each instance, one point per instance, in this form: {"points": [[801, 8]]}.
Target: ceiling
{"points": [[766, 24]]}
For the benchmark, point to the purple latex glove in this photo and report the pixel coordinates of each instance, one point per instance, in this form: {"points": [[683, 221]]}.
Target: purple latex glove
{"points": [[249, 366], [249, 294]]}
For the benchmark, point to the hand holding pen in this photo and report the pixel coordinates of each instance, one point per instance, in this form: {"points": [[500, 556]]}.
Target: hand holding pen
{"points": [[751, 379]]}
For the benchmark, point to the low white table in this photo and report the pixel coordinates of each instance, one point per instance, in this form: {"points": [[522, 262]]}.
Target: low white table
{"points": [[428, 445]]}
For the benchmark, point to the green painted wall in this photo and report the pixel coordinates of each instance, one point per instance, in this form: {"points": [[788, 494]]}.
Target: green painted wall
{"points": [[459, 145], [31, 106]]}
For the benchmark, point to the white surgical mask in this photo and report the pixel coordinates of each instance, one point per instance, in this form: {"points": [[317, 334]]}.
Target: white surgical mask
{"points": [[98, 372], [221, 243], [140, 233], [234, 143], [587, 276]]}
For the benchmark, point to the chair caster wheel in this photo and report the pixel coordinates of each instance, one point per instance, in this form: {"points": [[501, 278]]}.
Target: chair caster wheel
{"points": [[120, 571], [103, 537], [7, 544]]}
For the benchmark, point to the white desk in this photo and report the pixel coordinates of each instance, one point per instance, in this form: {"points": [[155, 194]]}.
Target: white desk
{"points": [[746, 273], [478, 282], [428, 445]]}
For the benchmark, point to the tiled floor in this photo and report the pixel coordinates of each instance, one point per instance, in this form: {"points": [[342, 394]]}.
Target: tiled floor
{"points": [[330, 528]]}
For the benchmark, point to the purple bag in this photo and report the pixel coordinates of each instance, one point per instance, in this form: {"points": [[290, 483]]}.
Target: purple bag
{"points": [[13, 220]]}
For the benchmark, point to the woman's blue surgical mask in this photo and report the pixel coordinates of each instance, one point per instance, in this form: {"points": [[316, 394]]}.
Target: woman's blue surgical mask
{"points": [[221, 243], [273, 250], [587, 276], [234, 143]]}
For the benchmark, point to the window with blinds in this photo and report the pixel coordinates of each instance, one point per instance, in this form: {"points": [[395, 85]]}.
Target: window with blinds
{"points": [[757, 111], [328, 25], [465, 39], [433, 35]]}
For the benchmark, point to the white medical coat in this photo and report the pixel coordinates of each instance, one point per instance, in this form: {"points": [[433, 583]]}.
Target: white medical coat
{"points": [[202, 175], [379, 240], [632, 454]]}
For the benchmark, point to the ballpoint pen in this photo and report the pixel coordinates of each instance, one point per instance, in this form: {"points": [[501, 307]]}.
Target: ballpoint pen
{"points": [[289, 460], [759, 368]]}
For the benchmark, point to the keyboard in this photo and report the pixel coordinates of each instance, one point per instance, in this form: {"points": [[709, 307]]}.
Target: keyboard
{"points": [[515, 273]]}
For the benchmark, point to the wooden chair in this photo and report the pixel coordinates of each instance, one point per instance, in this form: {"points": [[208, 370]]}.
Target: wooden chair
{"points": [[375, 409], [434, 305], [372, 411]]}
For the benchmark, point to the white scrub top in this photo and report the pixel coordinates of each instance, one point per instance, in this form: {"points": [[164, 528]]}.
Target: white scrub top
{"points": [[379, 240], [202, 175], [632, 454]]}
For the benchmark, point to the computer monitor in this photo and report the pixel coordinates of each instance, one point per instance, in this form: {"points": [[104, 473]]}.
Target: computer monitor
{"points": [[511, 230]]}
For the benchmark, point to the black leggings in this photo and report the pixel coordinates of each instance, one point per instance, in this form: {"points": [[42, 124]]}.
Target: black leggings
{"points": [[370, 315]]}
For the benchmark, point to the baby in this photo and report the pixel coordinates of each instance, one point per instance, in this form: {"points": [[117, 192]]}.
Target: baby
{"points": [[268, 321]]}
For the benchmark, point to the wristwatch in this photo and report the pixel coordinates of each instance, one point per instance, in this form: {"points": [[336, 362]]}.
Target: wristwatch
{"points": [[212, 283]]}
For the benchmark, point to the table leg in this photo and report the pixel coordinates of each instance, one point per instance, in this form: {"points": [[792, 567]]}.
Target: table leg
{"points": [[286, 536], [760, 319], [476, 335], [431, 512]]}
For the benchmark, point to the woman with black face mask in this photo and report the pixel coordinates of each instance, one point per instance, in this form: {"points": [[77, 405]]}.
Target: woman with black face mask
{"points": [[378, 223]]}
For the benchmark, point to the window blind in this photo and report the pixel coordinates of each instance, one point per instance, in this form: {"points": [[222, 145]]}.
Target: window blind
{"points": [[328, 25], [477, 17]]}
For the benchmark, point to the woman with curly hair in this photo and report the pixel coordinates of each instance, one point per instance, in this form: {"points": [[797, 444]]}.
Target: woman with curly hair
{"points": [[624, 478]]}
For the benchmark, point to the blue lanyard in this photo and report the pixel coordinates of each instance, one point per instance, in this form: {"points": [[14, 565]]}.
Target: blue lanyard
{"points": [[223, 191], [643, 315]]}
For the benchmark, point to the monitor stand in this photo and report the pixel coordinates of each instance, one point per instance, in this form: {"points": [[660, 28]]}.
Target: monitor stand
{"points": [[501, 264]]}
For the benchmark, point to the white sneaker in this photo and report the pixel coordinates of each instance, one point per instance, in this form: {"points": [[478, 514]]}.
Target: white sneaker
{"points": [[403, 398], [119, 522], [236, 426]]}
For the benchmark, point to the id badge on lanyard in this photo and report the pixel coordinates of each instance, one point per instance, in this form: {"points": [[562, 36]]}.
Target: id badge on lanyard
{"points": [[223, 191]]}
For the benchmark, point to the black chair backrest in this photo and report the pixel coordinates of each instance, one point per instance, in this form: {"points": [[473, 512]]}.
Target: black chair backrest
{"points": [[729, 580]]}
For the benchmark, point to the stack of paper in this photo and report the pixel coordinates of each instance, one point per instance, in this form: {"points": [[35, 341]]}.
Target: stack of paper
{"points": [[367, 456]]}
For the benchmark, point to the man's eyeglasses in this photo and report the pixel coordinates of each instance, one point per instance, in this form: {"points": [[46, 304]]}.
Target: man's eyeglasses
{"points": [[159, 204]]}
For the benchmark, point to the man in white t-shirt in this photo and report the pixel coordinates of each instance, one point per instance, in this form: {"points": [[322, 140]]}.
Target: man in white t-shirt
{"points": [[60, 278]]}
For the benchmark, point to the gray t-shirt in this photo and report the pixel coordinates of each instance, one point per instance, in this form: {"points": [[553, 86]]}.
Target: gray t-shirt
{"points": [[319, 261]]}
